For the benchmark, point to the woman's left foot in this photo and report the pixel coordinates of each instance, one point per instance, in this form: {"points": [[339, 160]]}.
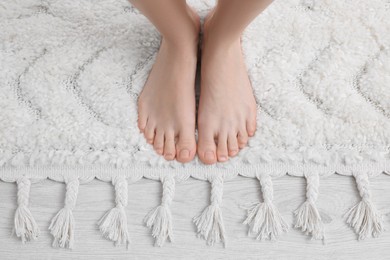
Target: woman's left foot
{"points": [[227, 107]]}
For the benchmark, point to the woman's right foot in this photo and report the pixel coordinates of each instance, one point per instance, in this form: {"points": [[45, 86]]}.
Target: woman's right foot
{"points": [[166, 105]]}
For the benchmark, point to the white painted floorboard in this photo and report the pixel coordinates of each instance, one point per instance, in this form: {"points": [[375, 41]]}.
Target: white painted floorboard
{"points": [[337, 195]]}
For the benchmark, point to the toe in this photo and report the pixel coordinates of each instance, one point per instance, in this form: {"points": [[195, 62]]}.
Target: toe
{"points": [[158, 143], [222, 149], [169, 147], [251, 127], [242, 138], [141, 123], [232, 144], [186, 146], [142, 119], [149, 133], [206, 149]]}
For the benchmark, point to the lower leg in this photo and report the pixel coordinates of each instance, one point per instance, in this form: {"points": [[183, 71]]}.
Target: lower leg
{"points": [[166, 105], [227, 109], [229, 18], [174, 19]]}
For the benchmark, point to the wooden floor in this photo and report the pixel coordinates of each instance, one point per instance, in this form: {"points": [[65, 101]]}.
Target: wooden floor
{"points": [[338, 193]]}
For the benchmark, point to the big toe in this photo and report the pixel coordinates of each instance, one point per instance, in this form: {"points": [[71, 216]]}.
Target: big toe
{"points": [[207, 150], [186, 147]]}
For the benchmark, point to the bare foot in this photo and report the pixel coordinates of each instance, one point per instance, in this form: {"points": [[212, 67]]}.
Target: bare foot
{"points": [[166, 105], [227, 107]]}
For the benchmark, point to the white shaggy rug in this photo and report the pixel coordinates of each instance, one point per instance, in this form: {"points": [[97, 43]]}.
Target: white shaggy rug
{"points": [[71, 71]]}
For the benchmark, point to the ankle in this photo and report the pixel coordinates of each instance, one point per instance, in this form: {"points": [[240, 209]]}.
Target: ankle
{"points": [[214, 35], [186, 34], [195, 18], [187, 41], [214, 44], [180, 47]]}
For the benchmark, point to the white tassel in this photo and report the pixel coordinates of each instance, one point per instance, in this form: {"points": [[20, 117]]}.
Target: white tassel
{"points": [[308, 219], [113, 224], [364, 217], [62, 225], [264, 218], [25, 226], [159, 219], [210, 222]]}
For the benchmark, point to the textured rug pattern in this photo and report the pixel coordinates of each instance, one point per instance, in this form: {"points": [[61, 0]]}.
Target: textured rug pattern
{"points": [[71, 72]]}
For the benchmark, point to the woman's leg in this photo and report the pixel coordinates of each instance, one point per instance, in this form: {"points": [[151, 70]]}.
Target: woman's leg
{"points": [[227, 108], [166, 106]]}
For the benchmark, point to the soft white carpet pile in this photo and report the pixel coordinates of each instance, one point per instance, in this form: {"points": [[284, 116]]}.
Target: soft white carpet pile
{"points": [[71, 71]]}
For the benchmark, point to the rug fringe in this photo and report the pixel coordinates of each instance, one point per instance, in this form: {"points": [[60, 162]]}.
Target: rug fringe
{"points": [[308, 218], [364, 216], [63, 224], [113, 224], [264, 219], [25, 226], [210, 222], [159, 219]]}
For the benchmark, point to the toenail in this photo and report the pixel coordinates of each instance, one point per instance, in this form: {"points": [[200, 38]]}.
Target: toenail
{"points": [[223, 158], [233, 151], [185, 154], [209, 155], [168, 156]]}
